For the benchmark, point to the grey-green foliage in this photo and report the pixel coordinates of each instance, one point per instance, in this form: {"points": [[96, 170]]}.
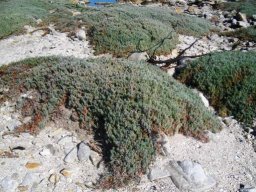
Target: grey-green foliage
{"points": [[125, 103], [122, 29], [228, 79], [248, 33], [245, 6], [14, 14]]}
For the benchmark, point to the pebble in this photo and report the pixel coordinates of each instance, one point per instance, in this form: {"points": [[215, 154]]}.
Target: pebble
{"points": [[71, 156], [81, 34], [32, 165], [8, 184], [54, 178], [83, 152], [66, 172]]}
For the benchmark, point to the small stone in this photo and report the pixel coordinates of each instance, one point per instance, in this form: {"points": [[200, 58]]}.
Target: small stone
{"points": [[65, 140], [71, 156], [66, 172], [80, 34], [241, 17], [138, 56], [54, 178], [248, 189], [22, 188], [158, 172], [30, 178], [83, 152], [32, 165], [190, 176], [243, 24], [8, 184], [234, 22], [45, 152]]}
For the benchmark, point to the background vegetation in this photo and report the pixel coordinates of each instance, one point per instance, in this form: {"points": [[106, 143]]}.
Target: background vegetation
{"points": [[125, 104], [118, 29], [229, 81], [248, 33], [245, 6]]}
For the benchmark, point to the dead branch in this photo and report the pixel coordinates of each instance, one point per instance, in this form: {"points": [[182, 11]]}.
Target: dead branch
{"points": [[177, 59]]}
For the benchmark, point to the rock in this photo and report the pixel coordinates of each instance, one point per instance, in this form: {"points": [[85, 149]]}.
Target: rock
{"points": [[234, 22], [45, 152], [54, 178], [138, 56], [241, 17], [32, 165], [29, 179], [7, 184], [65, 140], [83, 152], [158, 172], [11, 124], [247, 189], [66, 172], [254, 17], [190, 176], [80, 34], [71, 156], [204, 100], [48, 150], [243, 24]]}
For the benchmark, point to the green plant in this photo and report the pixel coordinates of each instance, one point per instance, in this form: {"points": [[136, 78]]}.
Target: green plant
{"points": [[228, 79], [245, 6], [15, 14], [124, 103], [247, 34], [122, 29]]}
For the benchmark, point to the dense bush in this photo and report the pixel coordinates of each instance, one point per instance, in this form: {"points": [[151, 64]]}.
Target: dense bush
{"points": [[248, 33], [15, 14], [122, 29], [228, 79], [245, 6], [123, 102]]}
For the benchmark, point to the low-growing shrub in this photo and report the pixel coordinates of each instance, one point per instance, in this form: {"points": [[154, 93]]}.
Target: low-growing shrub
{"points": [[229, 81], [15, 14], [124, 103], [247, 34], [245, 6], [122, 29]]}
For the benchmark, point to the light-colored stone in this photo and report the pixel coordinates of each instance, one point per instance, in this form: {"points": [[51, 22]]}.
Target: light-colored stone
{"points": [[83, 152], [204, 100], [139, 56], [248, 189], [81, 34], [66, 172], [71, 156], [158, 172], [241, 17], [243, 24], [8, 184], [29, 179], [190, 176], [54, 178]]}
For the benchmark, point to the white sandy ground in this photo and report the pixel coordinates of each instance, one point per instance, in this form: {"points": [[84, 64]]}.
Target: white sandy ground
{"points": [[16, 48]]}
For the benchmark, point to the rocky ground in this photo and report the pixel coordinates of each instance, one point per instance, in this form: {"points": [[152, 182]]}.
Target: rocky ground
{"points": [[63, 158]]}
